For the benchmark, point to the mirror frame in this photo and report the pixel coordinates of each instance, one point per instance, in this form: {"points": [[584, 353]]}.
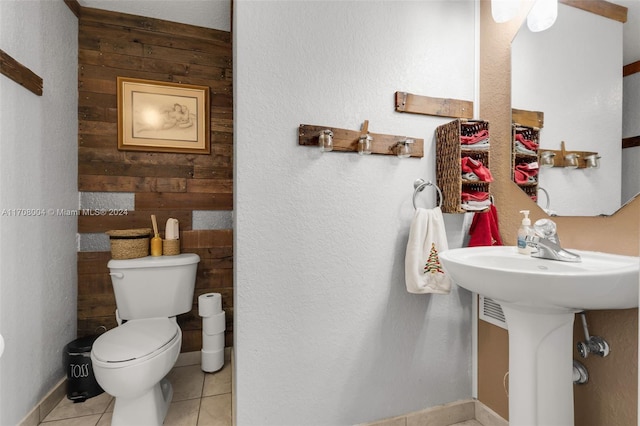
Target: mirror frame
{"points": [[495, 107]]}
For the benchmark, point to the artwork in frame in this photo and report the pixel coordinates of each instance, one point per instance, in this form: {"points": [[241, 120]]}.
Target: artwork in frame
{"points": [[163, 117]]}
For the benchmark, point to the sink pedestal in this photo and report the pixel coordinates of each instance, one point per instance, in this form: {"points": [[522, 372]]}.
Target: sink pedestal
{"points": [[539, 298], [540, 365]]}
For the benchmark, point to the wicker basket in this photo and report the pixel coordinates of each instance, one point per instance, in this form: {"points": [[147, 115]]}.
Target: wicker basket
{"points": [[129, 243], [170, 247], [448, 168], [531, 133]]}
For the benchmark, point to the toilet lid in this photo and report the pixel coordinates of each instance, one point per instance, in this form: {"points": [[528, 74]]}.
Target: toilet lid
{"points": [[134, 339]]}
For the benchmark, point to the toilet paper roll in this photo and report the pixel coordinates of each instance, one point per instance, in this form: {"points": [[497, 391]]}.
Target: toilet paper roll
{"points": [[213, 342], [214, 324], [212, 360], [209, 304]]}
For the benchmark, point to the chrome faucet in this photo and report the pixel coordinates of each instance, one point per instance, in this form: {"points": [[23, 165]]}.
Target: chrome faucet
{"points": [[547, 243]]}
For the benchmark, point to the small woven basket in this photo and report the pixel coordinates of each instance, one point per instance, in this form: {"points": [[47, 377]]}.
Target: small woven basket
{"points": [[448, 168], [170, 247], [129, 243]]}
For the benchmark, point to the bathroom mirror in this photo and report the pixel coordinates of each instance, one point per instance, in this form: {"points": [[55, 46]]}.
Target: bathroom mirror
{"points": [[572, 74]]}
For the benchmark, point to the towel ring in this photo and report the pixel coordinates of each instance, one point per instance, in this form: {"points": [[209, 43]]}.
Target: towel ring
{"points": [[419, 186], [546, 207]]}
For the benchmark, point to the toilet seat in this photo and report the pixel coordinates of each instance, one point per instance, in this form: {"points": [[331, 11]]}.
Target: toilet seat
{"points": [[135, 341]]}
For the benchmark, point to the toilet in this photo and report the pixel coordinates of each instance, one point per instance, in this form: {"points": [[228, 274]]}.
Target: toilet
{"points": [[130, 362]]}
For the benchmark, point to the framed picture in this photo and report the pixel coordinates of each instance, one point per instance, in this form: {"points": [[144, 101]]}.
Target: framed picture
{"points": [[163, 117]]}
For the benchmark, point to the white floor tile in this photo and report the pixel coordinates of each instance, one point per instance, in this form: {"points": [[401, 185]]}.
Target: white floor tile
{"points": [[67, 409], [76, 421], [183, 413], [219, 382], [187, 382], [215, 411]]}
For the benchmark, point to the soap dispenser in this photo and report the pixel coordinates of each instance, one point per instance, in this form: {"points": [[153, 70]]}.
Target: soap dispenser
{"points": [[524, 231]]}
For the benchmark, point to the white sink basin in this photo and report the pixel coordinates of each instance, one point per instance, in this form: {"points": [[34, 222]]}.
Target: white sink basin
{"points": [[600, 281], [539, 298]]}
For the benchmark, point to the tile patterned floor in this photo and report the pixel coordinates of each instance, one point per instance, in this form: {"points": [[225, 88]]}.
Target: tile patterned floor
{"points": [[199, 399], [204, 399]]}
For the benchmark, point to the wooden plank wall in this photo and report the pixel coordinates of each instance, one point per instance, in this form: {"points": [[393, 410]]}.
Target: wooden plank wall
{"points": [[169, 185]]}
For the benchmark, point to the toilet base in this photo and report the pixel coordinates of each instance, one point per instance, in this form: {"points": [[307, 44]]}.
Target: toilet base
{"points": [[149, 409]]}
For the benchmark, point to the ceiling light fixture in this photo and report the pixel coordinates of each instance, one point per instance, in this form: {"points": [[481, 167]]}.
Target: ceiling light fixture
{"points": [[542, 15], [504, 10]]}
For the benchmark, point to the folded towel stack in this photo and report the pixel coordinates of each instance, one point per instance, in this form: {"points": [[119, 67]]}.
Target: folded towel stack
{"points": [[525, 146], [478, 140], [473, 170], [526, 172], [474, 201]]}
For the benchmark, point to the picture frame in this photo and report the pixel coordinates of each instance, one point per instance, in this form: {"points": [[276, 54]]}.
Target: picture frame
{"points": [[158, 116]]}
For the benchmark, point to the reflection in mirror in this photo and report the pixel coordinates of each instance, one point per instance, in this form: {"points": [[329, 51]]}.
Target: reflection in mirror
{"points": [[525, 143], [571, 73]]}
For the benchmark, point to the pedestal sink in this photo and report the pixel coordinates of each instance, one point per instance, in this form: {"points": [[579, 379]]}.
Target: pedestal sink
{"points": [[539, 298]]}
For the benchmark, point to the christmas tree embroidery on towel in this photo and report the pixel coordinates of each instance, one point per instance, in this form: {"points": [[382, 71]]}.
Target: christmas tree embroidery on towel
{"points": [[422, 269], [433, 265]]}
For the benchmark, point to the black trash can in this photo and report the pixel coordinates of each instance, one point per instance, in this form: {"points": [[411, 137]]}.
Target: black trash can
{"points": [[81, 382]]}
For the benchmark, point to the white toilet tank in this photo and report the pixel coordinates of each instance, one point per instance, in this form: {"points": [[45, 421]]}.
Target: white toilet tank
{"points": [[151, 287]]}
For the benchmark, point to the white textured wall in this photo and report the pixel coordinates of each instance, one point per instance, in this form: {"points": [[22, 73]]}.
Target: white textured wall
{"points": [[572, 73], [203, 13], [38, 170], [631, 127], [325, 331]]}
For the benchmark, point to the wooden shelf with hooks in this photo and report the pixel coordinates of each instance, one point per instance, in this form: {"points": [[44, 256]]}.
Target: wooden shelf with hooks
{"points": [[345, 140], [559, 159]]}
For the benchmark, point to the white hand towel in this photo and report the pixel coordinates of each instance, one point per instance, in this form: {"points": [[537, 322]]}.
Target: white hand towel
{"points": [[422, 269]]}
